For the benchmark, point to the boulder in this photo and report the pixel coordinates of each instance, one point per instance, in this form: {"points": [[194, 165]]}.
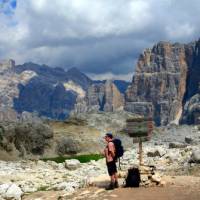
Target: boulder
{"points": [[13, 192], [158, 151], [153, 153], [72, 164], [189, 140], [195, 157], [156, 178], [173, 145], [4, 188]]}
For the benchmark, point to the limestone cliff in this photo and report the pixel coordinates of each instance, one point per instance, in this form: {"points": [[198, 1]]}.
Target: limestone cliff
{"points": [[159, 84], [100, 97]]}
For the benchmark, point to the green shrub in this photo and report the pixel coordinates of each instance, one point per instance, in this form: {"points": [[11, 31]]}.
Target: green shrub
{"points": [[81, 158]]}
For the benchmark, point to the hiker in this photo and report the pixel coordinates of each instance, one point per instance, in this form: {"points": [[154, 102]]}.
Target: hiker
{"points": [[109, 153]]}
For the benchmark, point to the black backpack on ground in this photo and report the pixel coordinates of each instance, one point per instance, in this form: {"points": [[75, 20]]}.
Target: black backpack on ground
{"points": [[133, 178]]}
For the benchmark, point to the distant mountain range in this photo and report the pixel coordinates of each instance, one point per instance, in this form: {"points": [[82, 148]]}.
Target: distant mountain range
{"points": [[165, 86], [50, 92]]}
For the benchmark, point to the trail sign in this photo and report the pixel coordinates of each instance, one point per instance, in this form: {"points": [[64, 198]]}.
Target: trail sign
{"points": [[141, 130]]}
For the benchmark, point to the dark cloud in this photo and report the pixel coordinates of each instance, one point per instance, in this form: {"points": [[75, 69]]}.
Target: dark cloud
{"points": [[99, 37]]}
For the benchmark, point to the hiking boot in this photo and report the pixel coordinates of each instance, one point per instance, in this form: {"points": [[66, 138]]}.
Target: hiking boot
{"points": [[111, 186], [116, 184]]}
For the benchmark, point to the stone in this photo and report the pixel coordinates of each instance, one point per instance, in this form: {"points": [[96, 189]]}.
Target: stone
{"points": [[156, 178], [144, 178], [173, 145], [195, 157], [72, 164], [153, 153], [13, 192], [4, 188], [189, 140], [67, 186]]}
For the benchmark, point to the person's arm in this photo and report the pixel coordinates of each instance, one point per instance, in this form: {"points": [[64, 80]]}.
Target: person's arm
{"points": [[105, 152], [111, 149]]}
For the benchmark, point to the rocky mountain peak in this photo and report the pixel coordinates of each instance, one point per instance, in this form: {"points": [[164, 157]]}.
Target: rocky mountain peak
{"points": [[6, 65], [78, 77], [103, 96], [166, 77]]}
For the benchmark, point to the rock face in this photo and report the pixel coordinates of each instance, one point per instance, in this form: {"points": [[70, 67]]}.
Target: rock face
{"points": [[191, 111], [166, 78], [101, 97], [51, 92]]}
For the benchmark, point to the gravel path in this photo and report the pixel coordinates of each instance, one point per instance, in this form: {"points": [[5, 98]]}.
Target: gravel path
{"points": [[177, 188]]}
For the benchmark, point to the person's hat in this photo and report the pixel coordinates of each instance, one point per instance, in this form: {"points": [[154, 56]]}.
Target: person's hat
{"points": [[109, 135]]}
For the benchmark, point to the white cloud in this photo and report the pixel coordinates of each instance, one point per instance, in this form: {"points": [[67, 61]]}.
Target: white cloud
{"points": [[96, 36], [180, 31], [111, 76]]}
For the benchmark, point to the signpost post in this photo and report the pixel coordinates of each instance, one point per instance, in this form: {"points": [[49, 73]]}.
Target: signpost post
{"points": [[141, 129]]}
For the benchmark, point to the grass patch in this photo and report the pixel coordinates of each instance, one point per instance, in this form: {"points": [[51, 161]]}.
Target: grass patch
{"points": [[81, 158], [43, 188]]}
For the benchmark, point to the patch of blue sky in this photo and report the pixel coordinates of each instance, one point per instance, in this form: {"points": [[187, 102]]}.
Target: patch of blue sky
{"points": [[13, 3], [7, 7]]}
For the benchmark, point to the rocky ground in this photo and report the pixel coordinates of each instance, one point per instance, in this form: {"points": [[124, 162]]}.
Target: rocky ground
{"points": [[174, 150]]}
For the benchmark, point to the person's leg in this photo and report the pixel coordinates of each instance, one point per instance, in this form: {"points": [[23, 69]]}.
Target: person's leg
{"points": [[113, 178], [112, 183], [116, 177], [116, 180]]}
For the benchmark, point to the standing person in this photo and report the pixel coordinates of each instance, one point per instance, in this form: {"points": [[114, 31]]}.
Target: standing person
{"points": [[109, 153]]}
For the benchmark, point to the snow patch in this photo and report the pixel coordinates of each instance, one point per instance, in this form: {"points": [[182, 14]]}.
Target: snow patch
{"points": [[25, 76], [70, 85]]}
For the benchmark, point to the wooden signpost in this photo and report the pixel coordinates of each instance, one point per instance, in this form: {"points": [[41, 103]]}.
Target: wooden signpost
{"points": [[140, 129]]}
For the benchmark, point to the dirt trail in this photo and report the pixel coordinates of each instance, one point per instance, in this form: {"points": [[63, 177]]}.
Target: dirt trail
{"points": [[177, 188]]}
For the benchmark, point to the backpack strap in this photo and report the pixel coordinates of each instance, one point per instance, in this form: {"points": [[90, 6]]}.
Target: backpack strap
{"points": [[110, 151]]}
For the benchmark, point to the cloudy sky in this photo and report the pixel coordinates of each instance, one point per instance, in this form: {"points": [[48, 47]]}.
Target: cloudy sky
{"points": [[102, 38]]}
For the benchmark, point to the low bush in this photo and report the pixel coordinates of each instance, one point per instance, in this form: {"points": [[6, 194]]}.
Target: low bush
{"points": [[81, 158]]}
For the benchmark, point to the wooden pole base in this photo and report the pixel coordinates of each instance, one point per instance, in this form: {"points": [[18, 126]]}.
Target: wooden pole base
{"points": [[140, 153]]}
